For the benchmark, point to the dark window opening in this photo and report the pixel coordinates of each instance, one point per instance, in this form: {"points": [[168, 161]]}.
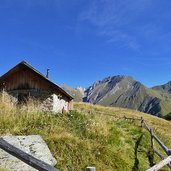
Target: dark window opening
{"points": [[22, 98]]}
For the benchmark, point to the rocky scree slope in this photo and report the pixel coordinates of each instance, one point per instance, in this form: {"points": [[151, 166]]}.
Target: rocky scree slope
{"points": [[165, 88]]}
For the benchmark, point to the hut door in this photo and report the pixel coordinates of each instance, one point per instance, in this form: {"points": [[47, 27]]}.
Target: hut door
{"points": [[22, 98]]}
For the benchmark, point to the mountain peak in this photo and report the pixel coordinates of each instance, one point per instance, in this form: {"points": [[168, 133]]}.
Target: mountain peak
{"points": [[77, 93], [124, 91]]}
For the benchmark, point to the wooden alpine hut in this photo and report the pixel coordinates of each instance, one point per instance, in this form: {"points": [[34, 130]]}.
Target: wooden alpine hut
{"points": [[23, 81]]}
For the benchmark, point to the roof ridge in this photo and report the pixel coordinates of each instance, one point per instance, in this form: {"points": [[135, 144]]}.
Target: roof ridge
{"points": [[39, 73]]}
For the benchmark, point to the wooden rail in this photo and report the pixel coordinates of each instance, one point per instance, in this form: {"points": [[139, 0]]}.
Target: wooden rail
{"points": [[161, 164], [161, 144], [161, 156], [25, 157]]}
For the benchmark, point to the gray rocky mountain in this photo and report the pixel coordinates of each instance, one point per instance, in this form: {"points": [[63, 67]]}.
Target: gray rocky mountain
{"points": [[124, 91], [164, 88]]}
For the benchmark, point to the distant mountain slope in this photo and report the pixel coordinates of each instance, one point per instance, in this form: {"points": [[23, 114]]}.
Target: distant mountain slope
{"points": [[164, 88], [123, 91], [76, 93]]}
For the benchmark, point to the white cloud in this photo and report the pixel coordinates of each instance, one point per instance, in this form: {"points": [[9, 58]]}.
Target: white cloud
{"points": [[113, 19]]}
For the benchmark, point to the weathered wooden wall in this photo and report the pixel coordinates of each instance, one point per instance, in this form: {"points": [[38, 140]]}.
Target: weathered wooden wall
{"points": [[24, 78]]}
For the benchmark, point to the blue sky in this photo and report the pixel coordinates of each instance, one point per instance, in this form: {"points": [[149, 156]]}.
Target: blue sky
{"points": [[82, 41]]}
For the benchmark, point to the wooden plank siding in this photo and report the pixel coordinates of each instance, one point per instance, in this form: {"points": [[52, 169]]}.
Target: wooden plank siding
{"points": [[24, 78]]}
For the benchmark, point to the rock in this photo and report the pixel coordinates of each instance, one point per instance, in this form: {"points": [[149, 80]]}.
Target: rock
{"points": [[32, 144]]}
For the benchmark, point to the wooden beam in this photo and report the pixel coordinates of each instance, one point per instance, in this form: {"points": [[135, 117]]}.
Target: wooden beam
{"points": [[25, 157], [161, 164], [161, 144], [146, 126], [89, 168], [161, 156], [132, 118]]}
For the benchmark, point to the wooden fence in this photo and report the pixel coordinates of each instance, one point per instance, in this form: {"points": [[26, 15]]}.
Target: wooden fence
{"points": [[165, 160]]}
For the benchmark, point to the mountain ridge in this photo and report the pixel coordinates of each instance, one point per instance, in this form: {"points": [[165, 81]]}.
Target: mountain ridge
{"points": [[76, 93], [164, 87], [124, 91]]}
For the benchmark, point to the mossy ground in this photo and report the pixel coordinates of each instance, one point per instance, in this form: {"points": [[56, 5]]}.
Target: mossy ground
{"points": [[89, 136]]}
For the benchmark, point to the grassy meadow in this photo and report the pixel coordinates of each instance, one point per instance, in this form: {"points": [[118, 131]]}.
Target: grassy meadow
{"points": [[88, 136]]}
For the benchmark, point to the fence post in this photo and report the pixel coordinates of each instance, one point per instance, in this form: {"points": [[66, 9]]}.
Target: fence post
{"points": [[152, 144], [142, 121], [89, 168]]}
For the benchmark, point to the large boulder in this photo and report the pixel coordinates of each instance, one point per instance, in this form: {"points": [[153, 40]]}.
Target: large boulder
{"points": [[33, 145]]}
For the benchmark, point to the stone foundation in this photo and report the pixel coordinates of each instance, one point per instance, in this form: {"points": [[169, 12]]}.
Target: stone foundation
{"points": [[59, 105], [48, 100]]}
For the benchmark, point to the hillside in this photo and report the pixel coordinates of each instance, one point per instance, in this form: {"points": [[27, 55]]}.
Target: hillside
{"points": [[91, 135], [76, 93], [124, 91], [165, 88]]}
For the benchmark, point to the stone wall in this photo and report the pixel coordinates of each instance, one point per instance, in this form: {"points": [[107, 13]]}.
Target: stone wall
{"points": [[48, 100], [55, 104], [59, 104], [47, 104]]}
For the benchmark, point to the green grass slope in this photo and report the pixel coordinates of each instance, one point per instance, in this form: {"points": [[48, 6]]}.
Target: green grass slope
{"points": [[165, 99], [91, 135]]}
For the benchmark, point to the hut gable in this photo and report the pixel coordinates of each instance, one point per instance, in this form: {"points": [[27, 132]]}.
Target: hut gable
{"points": [[24, 81]]}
